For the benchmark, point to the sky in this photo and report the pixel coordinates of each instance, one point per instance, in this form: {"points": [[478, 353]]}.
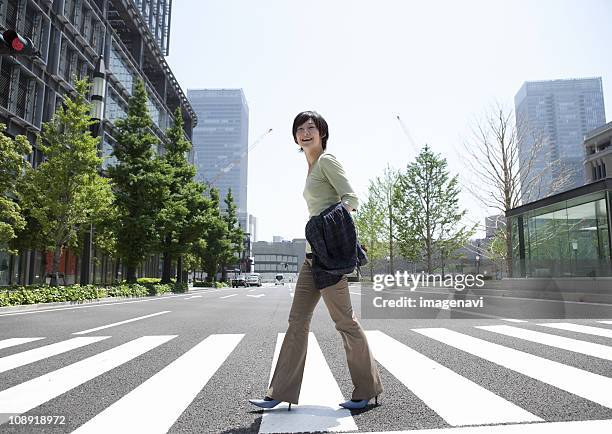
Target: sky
{"points": [[439, 65]]}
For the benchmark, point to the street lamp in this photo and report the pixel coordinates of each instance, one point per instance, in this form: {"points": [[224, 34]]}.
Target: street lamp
{"points": [[98, 93], [477, 264]]}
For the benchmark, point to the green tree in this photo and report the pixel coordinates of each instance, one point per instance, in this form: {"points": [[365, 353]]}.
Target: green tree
{"points": [[370, 223], [65, 193], [428, 212], [13, 167], [140, 184], [183, 217], [235, 234], [383, 188], [216, 238]]}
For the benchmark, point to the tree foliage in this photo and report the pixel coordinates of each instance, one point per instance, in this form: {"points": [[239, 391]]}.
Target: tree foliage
{"points": [[182, 219], [370, 223], [428, 213], [65, 193], [140, 183], [235, 234], [13, 167], [216, 239]]}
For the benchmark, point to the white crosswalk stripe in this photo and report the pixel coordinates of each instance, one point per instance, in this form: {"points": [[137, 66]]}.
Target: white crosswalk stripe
{"points": [[318, 408], [11, 342], [585, 384], [31, 356], [154, 406], [32, 393], [574, 345], [589, 330], [157, 403], [456, 399]]}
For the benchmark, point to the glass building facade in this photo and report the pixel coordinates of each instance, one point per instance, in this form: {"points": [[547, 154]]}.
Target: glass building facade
{"points": [[132, 37], [565, 235], [558, 114], [220, 141]]}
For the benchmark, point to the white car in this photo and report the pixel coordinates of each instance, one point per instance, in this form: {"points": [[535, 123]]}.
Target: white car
{"points": [[254, 280]]}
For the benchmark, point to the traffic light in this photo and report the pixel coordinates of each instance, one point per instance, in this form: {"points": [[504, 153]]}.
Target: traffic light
{"points": [[14, 44]]}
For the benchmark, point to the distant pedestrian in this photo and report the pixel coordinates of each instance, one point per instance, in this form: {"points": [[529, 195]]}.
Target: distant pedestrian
{"points": [[326, 187]]}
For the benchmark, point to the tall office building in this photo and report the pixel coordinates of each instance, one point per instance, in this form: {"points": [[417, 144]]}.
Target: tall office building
{"points": [[557, 113], [132, 36], [221, 142]]}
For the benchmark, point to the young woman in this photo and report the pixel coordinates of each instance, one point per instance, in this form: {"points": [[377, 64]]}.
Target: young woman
{"points": [[326, 185]]}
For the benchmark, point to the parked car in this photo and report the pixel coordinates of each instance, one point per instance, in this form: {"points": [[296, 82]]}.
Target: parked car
{"points": [[254, 280], [279, 279], [239, 280]]}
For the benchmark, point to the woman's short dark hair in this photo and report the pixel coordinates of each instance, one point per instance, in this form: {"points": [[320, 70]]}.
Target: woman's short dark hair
{"points": [[319, 122]]}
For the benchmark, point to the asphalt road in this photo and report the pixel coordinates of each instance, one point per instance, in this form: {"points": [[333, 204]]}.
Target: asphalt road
{"points": [[189, 363]]}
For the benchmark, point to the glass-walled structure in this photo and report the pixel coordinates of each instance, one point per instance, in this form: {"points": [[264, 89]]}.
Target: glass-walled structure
{"points": [[132, 37], [566, 235]]}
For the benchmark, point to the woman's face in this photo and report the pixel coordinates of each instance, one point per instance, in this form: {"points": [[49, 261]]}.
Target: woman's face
{"points": [[308, 136]]}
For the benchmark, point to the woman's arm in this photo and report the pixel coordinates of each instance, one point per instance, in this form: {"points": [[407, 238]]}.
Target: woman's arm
{"points": [[335, 174]]}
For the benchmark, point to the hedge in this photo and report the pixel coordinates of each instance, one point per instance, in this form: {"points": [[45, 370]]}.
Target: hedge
{"points": [[199, 284], [17, 295]]}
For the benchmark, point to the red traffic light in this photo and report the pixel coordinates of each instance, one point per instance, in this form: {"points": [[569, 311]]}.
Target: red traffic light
{"points": [[17, 44]]}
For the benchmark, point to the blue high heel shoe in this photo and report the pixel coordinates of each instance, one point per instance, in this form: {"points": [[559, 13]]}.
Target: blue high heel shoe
{"points": [[352, 404], [267, 403]]}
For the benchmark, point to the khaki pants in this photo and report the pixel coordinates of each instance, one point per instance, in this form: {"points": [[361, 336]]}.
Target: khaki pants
{"points": [[287, 379]]}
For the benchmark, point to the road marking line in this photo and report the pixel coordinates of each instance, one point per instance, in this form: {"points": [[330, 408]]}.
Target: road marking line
{"points": [[586, 426], [453, 397], [596, 331], [318, 409], [228, 296], [605, 322], [355, 293], [31, 356], [256, 296], [513, 320], [11, 342], [574, 345], [26, 396], [120, 323], [588, 385], [255, 289], [155, 405]]}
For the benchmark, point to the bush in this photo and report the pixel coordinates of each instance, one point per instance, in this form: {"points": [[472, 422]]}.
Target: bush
{"points": [[180, 288], [200, 284], [148, 280], [161, 288]]}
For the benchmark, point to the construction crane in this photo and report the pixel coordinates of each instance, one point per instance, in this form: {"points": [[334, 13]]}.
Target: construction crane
{"points": [[407, 133], [232, 163]]}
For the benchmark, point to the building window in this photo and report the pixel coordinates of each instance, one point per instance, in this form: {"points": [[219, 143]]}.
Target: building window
{"points": [[5, 82], [120, 69]]}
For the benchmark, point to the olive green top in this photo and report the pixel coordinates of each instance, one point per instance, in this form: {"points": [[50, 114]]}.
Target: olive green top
{"points": [[326, 184]]}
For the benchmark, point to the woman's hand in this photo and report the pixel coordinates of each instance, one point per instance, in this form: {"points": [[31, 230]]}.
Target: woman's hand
{"points": [[348, 207]]}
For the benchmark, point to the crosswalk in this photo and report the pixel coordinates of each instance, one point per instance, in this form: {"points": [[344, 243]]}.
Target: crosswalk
{"points": [[464, 405]]}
